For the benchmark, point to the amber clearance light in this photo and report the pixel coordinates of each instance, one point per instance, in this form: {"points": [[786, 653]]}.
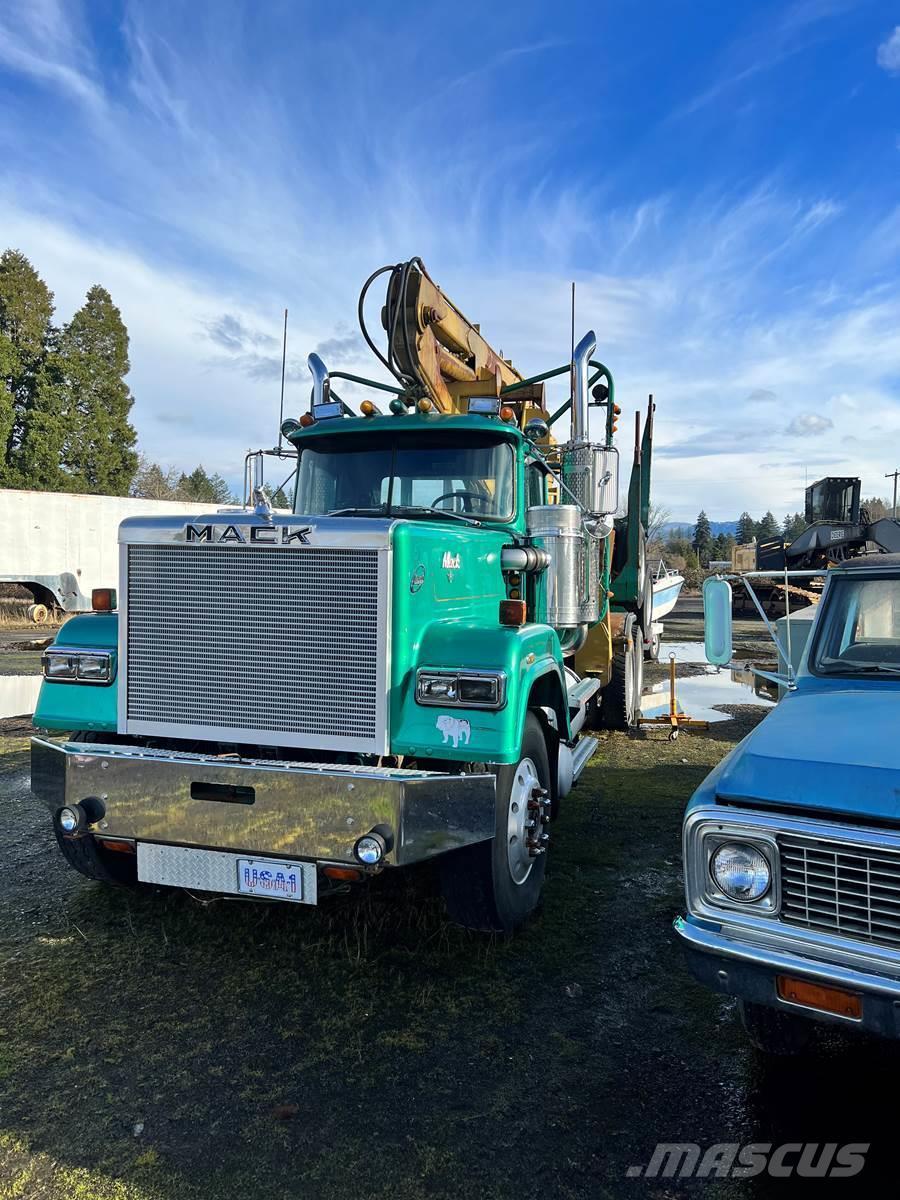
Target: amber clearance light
{"points": [[103, 599], [512, 612]]}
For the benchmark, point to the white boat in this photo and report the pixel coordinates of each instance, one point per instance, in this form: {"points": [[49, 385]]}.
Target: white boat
{"points": [[667, 585]]}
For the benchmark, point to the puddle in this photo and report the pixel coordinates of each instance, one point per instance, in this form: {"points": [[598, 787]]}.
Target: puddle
{"points": [[18, 695], [696, 694]]}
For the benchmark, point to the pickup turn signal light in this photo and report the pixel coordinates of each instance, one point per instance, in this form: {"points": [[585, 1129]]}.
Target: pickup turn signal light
{"points": [[816, 996], [512, 612]]}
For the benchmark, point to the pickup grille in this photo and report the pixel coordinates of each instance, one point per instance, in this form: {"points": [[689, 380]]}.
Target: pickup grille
{"points": [[257, 644], [852, 891]]}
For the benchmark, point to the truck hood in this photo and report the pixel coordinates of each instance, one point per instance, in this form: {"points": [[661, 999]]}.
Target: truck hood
{"points": [[834, 751]]}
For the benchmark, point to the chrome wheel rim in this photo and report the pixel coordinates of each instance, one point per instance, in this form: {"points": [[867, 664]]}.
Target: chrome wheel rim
{"points": [[525, 781]]}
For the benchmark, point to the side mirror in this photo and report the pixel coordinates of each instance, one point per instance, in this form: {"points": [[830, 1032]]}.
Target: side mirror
{"points": [[717, 621]]}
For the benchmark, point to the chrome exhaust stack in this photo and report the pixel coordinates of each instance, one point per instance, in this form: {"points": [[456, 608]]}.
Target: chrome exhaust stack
{"points": [[321, 390], [580, 368]]}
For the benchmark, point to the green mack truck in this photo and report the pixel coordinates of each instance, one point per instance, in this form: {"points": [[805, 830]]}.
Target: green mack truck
{"points": [[451, 605]]}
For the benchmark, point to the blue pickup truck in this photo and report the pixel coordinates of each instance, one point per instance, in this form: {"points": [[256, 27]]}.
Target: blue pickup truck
{"points": [[792, 843]]}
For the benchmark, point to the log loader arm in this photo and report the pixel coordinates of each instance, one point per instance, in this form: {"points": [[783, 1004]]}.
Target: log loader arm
{"points": [[435, 351]]}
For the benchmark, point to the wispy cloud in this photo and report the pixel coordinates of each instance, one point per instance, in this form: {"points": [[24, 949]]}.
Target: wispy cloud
{"points": [[43, 41], [220, 173], [888, 53]]}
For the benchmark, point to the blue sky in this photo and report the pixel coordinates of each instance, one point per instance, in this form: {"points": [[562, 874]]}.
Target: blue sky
{"points": [[720, 180]]}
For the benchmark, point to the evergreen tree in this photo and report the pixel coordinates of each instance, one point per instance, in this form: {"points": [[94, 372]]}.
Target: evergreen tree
{"points": [[26, 309], [794, 524], [98, 447], [702, 540], [203, 488], [767, 528], [746, 529]]}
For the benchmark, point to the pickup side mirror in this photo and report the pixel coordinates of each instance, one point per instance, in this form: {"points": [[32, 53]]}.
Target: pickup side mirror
{"points": [[717, 621]]}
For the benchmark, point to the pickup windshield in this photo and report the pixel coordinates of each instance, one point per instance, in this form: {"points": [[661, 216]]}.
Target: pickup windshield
{"points": [[466, 474], [860, 634]]}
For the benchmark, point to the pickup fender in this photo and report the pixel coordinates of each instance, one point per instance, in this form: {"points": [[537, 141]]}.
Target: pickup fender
{"points": [[80, 706]]}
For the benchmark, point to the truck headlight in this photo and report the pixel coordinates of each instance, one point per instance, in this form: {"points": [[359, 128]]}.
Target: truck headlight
{"points": [[468, 689], [65, 665], [740, 871]]}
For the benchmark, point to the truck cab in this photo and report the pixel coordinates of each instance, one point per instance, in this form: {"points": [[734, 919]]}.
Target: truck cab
{"points": [[792, 844]]}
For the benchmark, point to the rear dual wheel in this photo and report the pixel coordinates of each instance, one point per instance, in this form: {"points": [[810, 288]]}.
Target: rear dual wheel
{"points": [[494, 886]]}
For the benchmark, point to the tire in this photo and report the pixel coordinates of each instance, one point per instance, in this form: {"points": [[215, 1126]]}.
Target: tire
{"points": [[494, 886], [653, 651], [38, 613], [86, 856], [618, 703], [772, 1031]]}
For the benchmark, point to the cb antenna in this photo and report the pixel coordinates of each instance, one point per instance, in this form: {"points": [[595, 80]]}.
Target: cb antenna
{"points": [[283, 364]]}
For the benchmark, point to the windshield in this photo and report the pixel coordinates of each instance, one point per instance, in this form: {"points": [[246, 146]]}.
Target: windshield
{"points": [[861, 630], [467, 474]]}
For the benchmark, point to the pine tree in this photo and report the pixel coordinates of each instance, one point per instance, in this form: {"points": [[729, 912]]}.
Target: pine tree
{"points": [[702, 540], [204, 488], [793, 526], [767, 528], [98, 448], [746, 529], [26, 310]]}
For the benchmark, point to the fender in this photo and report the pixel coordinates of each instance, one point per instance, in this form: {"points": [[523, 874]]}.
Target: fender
{"points": [[531, 658], [81, 707]]}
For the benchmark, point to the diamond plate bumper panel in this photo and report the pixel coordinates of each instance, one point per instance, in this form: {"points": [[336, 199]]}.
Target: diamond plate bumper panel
{"points": [[205, 870]]}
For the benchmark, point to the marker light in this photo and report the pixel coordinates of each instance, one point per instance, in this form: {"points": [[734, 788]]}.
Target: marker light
{"points": [[512, 612], [423, 405], [370, 849], [68, 820], [369, 409], [104, 599], [397, 407], [507, 413], [740, 871], [306, 420]]}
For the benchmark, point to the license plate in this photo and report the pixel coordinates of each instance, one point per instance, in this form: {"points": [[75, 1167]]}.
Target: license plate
{"points": [[270, 878]]}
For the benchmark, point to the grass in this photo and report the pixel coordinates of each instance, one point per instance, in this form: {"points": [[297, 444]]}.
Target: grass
{"points": [[156, 1048], [294, 1045]]}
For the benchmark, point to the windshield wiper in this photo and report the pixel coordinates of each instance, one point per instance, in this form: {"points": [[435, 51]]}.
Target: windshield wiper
{"points": [[425, 510], [849, 668], [380, 511]]}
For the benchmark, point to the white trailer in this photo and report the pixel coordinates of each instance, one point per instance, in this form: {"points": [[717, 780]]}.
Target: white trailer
{"points": [[59, 546]]}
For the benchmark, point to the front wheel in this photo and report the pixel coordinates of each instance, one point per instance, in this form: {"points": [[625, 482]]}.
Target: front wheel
{"points": [[495, 886]]}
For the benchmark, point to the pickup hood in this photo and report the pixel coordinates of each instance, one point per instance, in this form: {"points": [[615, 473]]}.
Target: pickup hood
{"points": [[835, 750]]}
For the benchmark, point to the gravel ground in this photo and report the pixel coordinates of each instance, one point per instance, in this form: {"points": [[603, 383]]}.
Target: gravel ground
{"points": [[155, 1048]]}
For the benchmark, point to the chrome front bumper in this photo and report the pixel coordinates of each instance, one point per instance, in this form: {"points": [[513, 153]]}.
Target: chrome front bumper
{"points": [[744, 968], [296, 810]]}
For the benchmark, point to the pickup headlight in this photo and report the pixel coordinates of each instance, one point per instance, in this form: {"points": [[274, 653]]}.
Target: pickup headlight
{"points": [[731, 862], [468, 689], [63, 665], [741, 871]]}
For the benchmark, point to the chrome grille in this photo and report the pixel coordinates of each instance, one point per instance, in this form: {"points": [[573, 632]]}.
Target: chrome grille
{"points": [[255, 643], [840, 888]]}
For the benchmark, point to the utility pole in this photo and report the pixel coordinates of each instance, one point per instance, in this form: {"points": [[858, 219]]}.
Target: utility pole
{"points": [[893, 475]]}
